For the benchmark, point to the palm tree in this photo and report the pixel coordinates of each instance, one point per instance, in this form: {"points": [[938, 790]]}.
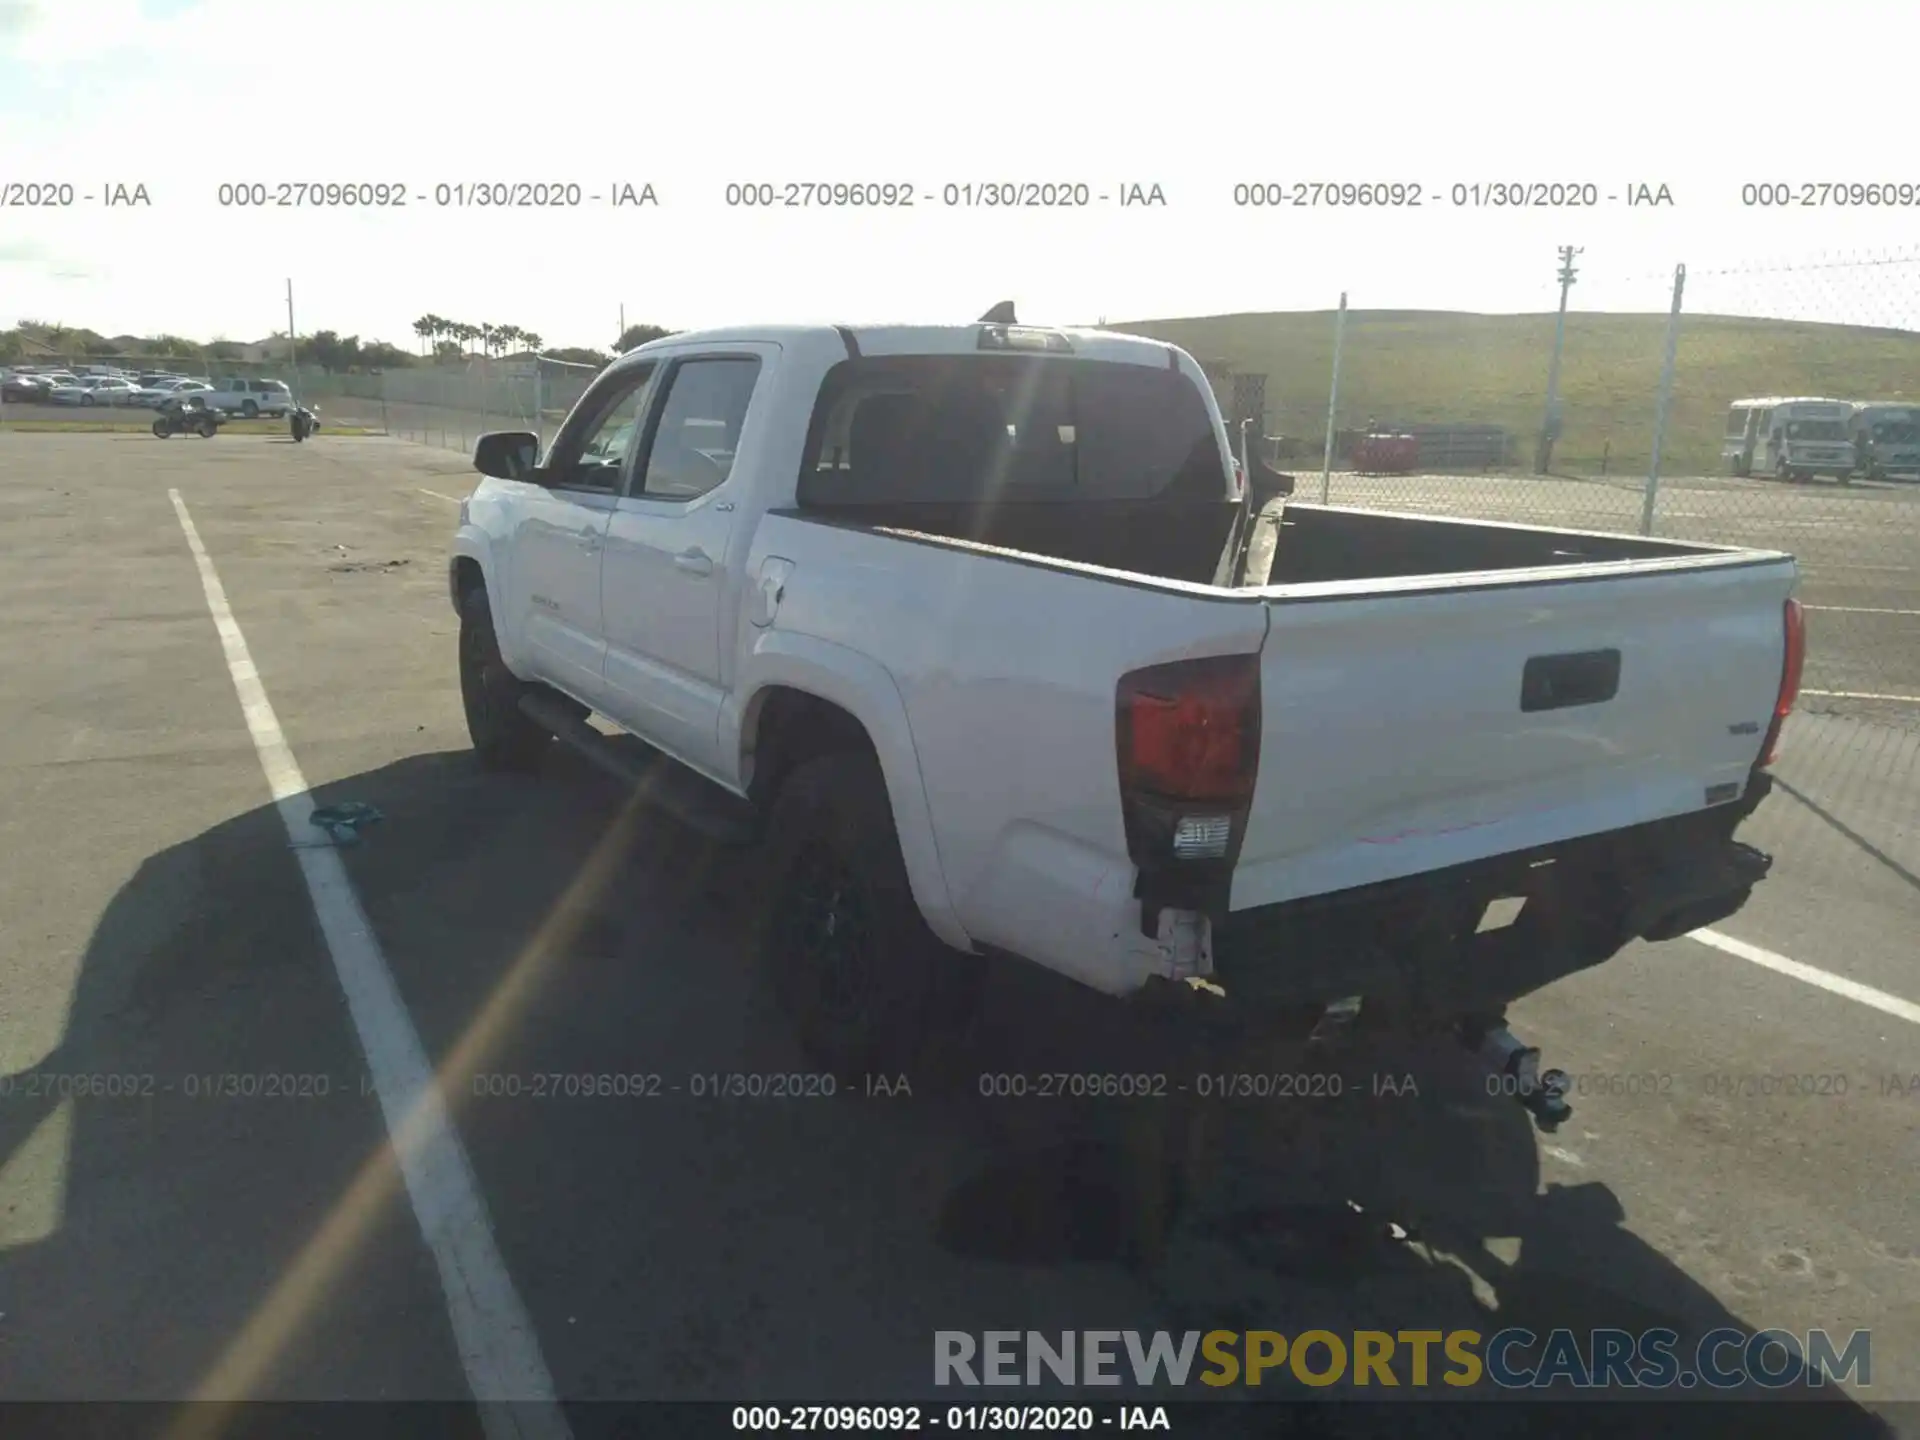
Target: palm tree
{"points": [[533, 341], [510, 335], [423, 327]]}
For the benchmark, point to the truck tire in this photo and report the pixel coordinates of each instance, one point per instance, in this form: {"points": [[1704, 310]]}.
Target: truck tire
{"points": [[871, 990], [504, 737], [249, 409], [160, 429]]}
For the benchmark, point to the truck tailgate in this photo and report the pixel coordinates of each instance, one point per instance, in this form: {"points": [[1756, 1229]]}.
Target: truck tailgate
{"points": [[1473, 716]]}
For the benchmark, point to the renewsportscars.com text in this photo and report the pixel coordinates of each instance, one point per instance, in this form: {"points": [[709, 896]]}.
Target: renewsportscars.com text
{"points": [[1513, 1358]]}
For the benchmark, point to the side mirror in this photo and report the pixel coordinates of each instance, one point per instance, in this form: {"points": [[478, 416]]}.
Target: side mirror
{"points": [[507, 454]]}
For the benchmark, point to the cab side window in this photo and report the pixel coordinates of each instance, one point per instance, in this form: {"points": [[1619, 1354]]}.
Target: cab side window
{"points": [[596, 456]]}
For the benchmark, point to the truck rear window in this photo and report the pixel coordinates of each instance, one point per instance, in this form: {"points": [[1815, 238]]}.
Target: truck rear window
{"points": [[970, 429]]}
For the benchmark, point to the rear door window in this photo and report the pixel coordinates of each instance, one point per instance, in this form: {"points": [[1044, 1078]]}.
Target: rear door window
{"points": [[699, 427]]}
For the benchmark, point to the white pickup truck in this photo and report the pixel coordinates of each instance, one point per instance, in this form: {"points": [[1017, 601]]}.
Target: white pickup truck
{"points": [[980, 631]]}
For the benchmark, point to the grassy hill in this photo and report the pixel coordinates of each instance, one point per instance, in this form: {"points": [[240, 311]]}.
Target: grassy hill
{"points": [[1492, 369]]}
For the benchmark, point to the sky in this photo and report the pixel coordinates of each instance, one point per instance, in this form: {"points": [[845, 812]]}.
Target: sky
{"points": [[182, 97]]}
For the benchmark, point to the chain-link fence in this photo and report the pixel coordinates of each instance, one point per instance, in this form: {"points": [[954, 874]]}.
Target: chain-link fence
{"points": [[75, 362], [451, 405], [136, 366], [1446, 411], [1770, 406], [437, 404]]}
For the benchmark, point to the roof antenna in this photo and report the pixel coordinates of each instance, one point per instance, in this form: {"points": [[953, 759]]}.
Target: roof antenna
{"points": [[1001, 314]]}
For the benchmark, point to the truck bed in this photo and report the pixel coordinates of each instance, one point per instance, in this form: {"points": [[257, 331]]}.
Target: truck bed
{"points": [[1314, 544], [1293, 544]]}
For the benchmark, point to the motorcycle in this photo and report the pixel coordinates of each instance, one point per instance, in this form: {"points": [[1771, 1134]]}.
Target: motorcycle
{"points": [[302, 422], [178, 417]]}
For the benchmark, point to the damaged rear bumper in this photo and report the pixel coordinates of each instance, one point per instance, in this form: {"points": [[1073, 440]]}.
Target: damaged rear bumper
{"points": [[1431, 944]]}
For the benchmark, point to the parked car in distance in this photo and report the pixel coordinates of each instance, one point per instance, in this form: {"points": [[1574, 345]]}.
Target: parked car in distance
{"points": [[112, 390], [158, 392], [251, 397], [201, 388], [94, 390], [23, 387]]}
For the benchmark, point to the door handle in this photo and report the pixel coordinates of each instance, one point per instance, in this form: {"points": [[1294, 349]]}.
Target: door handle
{"points": [[694, 562]]}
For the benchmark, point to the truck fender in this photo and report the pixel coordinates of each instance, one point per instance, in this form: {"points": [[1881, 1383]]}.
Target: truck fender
{"points": [[867, 691], [473, 545]]}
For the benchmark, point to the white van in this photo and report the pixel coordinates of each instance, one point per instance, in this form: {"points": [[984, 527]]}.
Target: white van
{"points": [[250, 397], [1789, 438], [1886, 439]]}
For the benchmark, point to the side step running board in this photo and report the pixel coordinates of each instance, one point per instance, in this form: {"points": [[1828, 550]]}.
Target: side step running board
{"points": [[662, 782]]}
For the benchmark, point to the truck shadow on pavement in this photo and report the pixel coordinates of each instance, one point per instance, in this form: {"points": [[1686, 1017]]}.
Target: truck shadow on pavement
{"points": [[1847, 832], [170, 1170]]}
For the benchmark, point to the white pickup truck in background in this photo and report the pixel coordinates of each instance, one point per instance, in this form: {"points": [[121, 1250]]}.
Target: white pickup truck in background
{"points": [[976, 629]]}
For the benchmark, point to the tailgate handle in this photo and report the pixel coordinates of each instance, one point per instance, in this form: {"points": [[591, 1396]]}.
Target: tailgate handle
{"points": [[1558, 682]]}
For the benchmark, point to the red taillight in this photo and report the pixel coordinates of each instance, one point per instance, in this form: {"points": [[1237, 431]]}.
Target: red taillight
{"points": [[1796, 627], [1191, 730]]}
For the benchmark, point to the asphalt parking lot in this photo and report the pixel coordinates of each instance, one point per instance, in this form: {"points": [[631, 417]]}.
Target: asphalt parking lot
{"points": [[170, 1230]]}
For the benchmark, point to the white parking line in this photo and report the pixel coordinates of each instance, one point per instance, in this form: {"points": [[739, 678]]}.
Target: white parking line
{"points": [[498, 1349], [1858, 610], [450, 499], [1836, 984], [1863, 695]]}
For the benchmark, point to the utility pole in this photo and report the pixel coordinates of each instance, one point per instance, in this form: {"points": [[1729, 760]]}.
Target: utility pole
{"points": [[1550, 427], [1664, 408], [293, 365], [1333, 400]]}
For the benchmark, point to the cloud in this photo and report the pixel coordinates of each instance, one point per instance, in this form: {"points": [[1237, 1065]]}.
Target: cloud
{"points": [[34, 257]]}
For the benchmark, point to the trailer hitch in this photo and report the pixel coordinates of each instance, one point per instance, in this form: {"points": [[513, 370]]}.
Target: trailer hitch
{"points": [[1541, 1093]]}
